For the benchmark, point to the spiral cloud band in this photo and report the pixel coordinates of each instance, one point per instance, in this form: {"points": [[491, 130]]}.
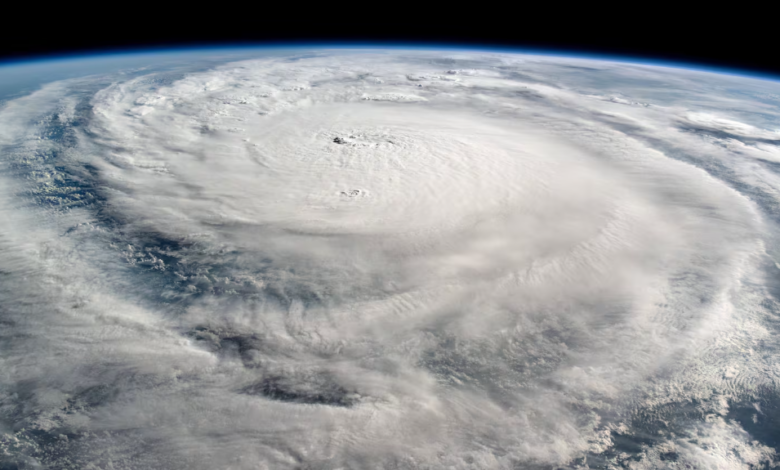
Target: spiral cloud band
{"points": [[390, 259]]}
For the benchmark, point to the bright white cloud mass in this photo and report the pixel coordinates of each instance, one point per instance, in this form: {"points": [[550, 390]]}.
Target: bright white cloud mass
{"points": [[391, 260]]}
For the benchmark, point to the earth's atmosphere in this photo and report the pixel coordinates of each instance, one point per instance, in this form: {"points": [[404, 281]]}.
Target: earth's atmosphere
{"points": [[387, 259]]}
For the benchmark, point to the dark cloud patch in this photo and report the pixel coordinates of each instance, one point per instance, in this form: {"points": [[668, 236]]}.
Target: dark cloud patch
{"points": [[313, 389]]}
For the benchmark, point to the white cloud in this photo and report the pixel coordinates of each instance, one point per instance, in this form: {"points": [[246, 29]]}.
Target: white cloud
{"points": [[277, 271]]}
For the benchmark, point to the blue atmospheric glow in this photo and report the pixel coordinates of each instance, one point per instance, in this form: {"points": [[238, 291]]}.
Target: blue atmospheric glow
{"points": [[161, 51]]}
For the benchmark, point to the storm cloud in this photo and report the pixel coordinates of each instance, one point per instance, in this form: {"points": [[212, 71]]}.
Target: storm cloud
{"points": [[390, 260]]}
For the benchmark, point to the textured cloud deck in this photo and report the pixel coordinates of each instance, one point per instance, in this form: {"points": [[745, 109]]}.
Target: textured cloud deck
{"points": [[389, 259]]}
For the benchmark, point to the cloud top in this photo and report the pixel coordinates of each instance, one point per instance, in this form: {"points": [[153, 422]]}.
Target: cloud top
{"points": [[387, 261]]}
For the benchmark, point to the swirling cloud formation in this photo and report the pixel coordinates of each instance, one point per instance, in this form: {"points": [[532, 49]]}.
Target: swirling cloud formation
{"points": [[400, 260]]}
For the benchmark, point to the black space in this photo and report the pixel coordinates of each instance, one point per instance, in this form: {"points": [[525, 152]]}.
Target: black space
{"points": [[740, 37]]}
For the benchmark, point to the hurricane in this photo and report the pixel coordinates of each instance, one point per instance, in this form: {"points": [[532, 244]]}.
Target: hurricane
{"points": [[390, 259]]}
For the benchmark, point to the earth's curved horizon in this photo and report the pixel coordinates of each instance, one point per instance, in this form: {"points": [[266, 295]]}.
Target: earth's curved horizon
{"points": [[386, 258]]}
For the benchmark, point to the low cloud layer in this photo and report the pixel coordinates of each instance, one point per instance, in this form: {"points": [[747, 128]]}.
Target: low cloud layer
{"points": [[390, 260]]}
